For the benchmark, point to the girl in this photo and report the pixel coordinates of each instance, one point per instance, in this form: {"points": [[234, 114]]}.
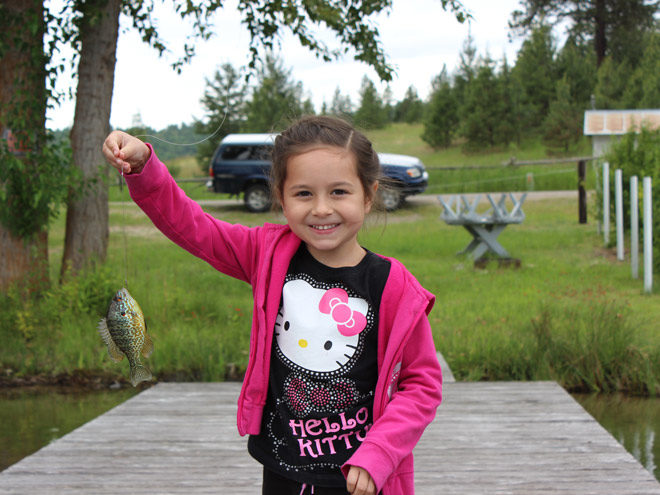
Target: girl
{"points": [[342, 375]]}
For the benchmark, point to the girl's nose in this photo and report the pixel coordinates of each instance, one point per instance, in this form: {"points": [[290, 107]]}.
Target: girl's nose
{"points": [[322, 206]]}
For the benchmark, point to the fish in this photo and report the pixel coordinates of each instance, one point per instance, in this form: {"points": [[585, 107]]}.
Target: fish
{"points": [[125, 333]]}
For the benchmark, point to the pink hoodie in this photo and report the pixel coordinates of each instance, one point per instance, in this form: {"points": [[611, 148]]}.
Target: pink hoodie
{"points": [[409, 384]]}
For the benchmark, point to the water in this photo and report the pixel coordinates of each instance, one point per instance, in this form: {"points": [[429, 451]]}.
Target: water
{"points": [[633, 421], [33, 417]]}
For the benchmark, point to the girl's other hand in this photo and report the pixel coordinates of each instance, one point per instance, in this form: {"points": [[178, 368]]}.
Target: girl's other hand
{"points": [[359, 482], [124, 152]]}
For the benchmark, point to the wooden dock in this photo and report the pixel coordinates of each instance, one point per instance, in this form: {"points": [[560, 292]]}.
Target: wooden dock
{"points": [[488, 438]]}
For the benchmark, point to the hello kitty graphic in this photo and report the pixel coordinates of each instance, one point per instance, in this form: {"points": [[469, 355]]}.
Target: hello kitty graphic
{"points": [[318, 330]]}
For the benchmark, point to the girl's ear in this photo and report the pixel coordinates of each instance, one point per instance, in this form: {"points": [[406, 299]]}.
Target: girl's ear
{"points": [[370, 198]]}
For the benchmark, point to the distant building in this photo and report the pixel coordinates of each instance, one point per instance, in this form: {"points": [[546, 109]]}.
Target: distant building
{"points": [[603, 125]]}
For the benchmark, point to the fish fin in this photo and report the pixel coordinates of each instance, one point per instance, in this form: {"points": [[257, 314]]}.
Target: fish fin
{"points": [[139, 373], [113, 350], [148, 346]]}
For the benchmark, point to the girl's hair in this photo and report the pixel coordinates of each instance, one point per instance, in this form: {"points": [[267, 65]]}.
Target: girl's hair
{"points": [[319, 131]]}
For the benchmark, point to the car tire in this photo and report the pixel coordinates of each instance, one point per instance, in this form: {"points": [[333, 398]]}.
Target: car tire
{"points": [[257, 198], [391, 198]]}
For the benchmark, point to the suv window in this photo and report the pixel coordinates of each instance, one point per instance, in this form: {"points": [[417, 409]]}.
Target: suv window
{"points": [[246, 152]]}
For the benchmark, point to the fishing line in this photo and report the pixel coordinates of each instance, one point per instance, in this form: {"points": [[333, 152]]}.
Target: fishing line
{"points": [[123, 228], [224, 117]]}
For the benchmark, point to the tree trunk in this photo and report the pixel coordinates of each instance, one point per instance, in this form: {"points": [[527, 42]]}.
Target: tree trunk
{"points": [[23, 104], [86, 238], [600, 31]]}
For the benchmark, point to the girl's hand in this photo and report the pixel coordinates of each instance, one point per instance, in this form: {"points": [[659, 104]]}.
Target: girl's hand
{"points": [[124, 152], [359, 482]]}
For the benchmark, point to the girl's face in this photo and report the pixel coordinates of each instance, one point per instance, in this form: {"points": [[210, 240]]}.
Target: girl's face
{"points": [[324, 203]]}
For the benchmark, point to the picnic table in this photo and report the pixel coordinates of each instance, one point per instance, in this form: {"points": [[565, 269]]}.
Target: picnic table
{"points": [[484, 227]]}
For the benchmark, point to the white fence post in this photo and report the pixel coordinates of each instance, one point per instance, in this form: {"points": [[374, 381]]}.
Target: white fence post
{"points": [[618, 209], [634, 227], [648, 239], [606, 203]]}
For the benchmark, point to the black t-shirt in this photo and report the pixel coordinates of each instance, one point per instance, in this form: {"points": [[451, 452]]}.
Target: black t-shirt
{"points": [[323, 369]]}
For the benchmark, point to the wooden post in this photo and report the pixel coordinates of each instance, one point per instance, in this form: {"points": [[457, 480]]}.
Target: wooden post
{"points": [[582, 193], [618, 209], [606, 203], [648, 236], [634, 227]]}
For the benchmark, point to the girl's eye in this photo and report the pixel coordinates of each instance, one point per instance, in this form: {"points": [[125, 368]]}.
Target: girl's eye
{"points": [[339, 192], [303, 194]]}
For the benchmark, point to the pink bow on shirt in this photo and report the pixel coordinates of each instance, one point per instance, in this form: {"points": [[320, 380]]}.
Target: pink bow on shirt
{"points": [[335, 303]]}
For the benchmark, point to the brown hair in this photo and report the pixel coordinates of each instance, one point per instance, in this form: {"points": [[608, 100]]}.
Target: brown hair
{"points": [[323, 130]]}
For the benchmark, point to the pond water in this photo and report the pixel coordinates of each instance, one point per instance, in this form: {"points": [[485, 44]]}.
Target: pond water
{"points": [[31, 418], [633, 421]]}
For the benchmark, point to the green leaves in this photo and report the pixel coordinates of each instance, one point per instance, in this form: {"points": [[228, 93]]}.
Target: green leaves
{"points": [[33, 186]]}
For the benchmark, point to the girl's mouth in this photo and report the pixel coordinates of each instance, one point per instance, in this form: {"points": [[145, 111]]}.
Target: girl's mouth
{"points": [[324, 227]]}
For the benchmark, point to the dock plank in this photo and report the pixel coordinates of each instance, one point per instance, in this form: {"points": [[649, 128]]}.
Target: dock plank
{"points": [[491, 438]]}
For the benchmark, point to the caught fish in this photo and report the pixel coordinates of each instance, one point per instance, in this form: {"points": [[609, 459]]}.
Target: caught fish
{"points": [[124, 332]]}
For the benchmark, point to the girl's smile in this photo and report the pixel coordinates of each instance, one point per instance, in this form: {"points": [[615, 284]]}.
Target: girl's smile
{"points": [[325, 204]]}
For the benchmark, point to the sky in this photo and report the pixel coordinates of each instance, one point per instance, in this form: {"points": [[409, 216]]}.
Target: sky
{"points": [[418, 36]]}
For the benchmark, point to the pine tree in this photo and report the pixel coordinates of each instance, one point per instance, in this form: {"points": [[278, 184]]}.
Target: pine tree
{"points": [[562, 127], [341, 105], [276, 100], [441, 116], [576, 62], [371, 114], [612, 80], [643, 88], [484, 113], [410, 109], [535, 73], [224, 102]]}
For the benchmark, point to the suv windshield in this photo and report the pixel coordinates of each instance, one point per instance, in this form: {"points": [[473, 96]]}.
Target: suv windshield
{"points": [[246, 152]]}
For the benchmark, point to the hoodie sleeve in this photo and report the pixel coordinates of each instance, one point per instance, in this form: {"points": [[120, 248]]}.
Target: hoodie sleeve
{"points": [[228, 248], [411, 409]]}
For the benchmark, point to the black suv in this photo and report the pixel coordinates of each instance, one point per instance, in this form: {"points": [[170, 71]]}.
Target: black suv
{"points": [[241, 164]]}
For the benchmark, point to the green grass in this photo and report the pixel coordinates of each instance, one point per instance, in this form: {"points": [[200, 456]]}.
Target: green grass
{"points": [[570, 313]]}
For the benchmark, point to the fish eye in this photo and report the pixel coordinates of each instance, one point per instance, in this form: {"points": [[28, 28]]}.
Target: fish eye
{"points": [[328, 345], [123, 313]]}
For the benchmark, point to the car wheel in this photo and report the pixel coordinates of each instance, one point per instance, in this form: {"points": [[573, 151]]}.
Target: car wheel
{"points": [[257, 198], [391, 198]]}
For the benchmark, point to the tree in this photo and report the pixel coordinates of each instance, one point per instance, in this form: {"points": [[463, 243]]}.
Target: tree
{"points": [[577, 63], [410, 109], [562, 127], [484, 113], [275, 101], [33, 173], [441, 117], [467, 67], [224, 101], [535, 76], [614, 26], [371, 114], [86, 236], [643, 88], [611, 82], [341, 105]]}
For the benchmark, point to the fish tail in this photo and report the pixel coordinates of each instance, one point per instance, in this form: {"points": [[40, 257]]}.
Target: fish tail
{"points": [[140, 373]]}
